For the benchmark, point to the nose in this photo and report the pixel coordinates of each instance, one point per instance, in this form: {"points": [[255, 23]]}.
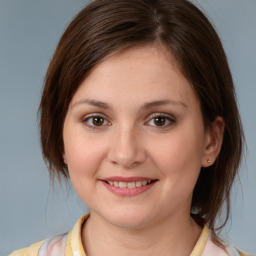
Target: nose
{"points": [[126, 149]]}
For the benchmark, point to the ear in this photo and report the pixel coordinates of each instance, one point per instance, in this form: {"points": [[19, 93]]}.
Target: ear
{"points": [[64, 158], [213, 141]]}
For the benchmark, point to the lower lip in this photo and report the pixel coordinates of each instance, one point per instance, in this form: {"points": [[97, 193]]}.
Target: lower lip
{"points": [[128, 192]]}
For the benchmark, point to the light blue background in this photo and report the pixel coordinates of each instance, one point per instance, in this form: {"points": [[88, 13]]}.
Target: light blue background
{"points": [[29, 32]]}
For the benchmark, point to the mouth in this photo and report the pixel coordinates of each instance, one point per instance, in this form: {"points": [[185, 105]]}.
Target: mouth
{"points": [[128, 186], [133, 184]]}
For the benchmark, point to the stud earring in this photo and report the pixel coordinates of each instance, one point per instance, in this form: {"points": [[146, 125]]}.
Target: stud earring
{"points": [[208, 161]]}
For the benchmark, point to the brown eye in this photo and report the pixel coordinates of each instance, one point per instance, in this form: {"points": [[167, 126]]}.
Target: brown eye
{"points": [[160, 121], [97, 121]]}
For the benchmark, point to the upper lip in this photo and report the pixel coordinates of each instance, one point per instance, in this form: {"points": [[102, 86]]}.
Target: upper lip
{"points": [[127, 179]]}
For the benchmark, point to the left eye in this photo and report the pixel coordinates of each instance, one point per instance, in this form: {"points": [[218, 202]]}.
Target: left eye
{"points": [[161, 121]]}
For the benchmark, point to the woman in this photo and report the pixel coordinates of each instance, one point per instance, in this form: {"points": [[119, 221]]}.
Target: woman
{"points": [[139, 111]]}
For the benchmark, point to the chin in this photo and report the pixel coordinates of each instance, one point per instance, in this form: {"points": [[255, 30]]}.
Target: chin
{"points": [[128, 219]]}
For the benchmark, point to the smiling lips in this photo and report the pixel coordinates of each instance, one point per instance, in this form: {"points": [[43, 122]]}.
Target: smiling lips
{"points": [[128, 186], [133, 184]]}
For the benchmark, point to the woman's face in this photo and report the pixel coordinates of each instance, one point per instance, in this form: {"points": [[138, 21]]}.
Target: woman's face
{"points": [[134, 139]]}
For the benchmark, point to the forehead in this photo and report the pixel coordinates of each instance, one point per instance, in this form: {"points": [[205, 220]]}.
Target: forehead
{"points": [[139, 73], [147, 57]]}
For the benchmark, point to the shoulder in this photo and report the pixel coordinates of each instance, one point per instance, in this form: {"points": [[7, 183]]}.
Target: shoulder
{"points": [[233, 251], [54, 245], [32, 250], [57, 244], [212, 249]]}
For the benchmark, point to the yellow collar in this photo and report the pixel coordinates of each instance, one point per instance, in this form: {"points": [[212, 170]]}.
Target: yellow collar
{"points": [[201, 242]]}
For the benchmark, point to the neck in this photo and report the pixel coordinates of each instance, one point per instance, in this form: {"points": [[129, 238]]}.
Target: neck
{"points": [[176, 237]]}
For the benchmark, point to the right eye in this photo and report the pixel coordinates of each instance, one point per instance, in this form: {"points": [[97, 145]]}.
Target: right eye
{"points": [[95, 121]]}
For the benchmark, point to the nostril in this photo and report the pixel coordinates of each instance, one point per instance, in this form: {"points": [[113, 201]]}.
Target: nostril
{"points": [[126, 154]]}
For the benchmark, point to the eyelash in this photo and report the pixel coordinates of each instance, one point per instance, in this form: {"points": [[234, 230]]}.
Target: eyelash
{"points": [[87, 119], [167, 118]]}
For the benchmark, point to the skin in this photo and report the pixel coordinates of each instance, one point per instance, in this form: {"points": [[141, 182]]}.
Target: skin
{"points": [[129, 141]]}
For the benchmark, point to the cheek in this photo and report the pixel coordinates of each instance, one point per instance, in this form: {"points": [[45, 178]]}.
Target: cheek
{"points": [[83, 155], [83, 160], [179, 156]]}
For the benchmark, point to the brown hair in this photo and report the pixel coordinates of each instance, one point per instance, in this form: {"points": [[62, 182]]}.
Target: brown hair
{"points": [[107, 26]]}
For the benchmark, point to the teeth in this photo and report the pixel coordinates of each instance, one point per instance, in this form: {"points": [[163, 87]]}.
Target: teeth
{"points": [[144, 182], [138, 184], [131, 184], [121, 184]]}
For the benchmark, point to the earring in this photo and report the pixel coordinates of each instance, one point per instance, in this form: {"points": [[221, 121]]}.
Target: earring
{"points": [[208, 161]]}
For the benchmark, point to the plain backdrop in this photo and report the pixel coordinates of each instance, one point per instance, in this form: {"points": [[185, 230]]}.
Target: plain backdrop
{"points": [[29, 31]]}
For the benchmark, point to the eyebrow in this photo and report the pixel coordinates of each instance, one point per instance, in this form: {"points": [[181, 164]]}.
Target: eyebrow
{"points": [[157, 103], [145, 106]]}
